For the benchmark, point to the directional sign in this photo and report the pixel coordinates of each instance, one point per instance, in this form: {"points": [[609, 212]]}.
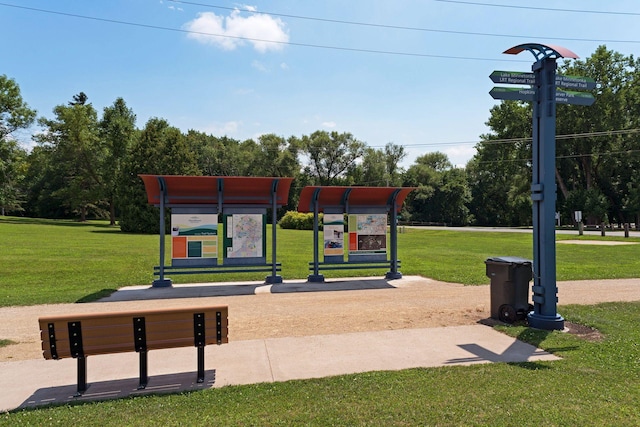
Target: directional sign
{"points": [[513, 77], [522, 78], [575, 82], [528, 94], [513, 93], [574, 98]]}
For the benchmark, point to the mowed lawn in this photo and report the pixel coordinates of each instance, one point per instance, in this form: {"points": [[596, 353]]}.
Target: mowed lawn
{"points": [[44, 261], [595, 383]]}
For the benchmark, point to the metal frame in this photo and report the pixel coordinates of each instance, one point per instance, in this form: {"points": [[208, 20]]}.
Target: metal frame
{"points": [[275, 198], [391, 204], [543, 187]]}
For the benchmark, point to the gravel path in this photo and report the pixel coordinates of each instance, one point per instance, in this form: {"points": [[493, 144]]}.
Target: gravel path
{"points": [[411, 302]]}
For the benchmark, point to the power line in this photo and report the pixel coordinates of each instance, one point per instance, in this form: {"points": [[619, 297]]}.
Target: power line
{"points": [[525, 139], [568, 156], [548, 9], [399, 27], [316, 46]]}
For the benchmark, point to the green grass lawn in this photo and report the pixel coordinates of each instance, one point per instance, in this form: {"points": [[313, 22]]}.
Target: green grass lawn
{"points": [[45, 261], [595, 384]]}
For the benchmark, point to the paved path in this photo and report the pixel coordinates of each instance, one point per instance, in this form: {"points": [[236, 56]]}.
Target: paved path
{"points": [[286, 350]]}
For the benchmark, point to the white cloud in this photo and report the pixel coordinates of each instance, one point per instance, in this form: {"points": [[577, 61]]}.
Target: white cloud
{"points": [[230, 32], [284, 66], [330, 125], [459, 155], [249, 8], [259, 66], [223, 129]]}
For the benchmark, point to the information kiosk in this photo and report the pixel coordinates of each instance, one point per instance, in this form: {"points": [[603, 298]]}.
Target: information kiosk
{"points": [[366, 210], [195, 203]]}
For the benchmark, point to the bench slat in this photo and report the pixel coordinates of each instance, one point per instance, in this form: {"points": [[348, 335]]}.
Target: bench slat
{"points": [[104, 333]]}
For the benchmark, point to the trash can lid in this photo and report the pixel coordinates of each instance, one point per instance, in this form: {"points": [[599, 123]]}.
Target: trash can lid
{"points": [[509, 259]]}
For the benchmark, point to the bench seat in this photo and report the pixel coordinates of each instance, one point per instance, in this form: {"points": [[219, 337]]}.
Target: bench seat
{"points": [[83, 335]]}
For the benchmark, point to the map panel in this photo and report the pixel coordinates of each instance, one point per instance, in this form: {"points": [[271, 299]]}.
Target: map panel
{"points": [[245, 231]]}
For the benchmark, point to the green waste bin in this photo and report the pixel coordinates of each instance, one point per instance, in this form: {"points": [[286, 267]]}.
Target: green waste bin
{"points": [[510, 277]]}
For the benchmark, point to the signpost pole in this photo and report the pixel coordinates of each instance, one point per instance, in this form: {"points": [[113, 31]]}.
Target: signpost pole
{"points": [[543, 184], [543, 195]]}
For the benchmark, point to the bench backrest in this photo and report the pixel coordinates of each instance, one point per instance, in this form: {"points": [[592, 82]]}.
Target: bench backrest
{"points": [[78, 335]]}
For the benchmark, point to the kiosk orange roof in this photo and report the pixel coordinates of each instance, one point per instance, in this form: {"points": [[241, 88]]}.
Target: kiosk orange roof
{"points": [[208, 190], [336, 196]]}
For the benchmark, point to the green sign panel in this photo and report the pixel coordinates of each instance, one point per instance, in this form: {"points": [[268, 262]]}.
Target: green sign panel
{"points": [[523, 78], [528, 95]]}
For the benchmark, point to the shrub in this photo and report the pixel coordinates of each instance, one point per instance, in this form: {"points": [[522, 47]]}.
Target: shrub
{"points": [[298, 221]]}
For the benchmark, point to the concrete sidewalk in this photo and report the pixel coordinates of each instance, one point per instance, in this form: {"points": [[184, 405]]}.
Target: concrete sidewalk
{"points": [[31, 383]]}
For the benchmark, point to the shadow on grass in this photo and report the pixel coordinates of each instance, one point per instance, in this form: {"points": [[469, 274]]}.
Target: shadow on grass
{"points": [[117, 389], [56, 222], [531, 366], [529, 335], [103, 293]]}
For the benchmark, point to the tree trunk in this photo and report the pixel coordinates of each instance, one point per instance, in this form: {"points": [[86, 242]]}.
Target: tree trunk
{"points": [[112, 213], [561, 184]]}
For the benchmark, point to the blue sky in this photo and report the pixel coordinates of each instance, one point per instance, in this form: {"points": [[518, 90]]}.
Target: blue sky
{"points": [[423, 86]]}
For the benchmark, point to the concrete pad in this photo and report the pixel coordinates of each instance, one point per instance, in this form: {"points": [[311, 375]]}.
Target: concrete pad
{"points": [[138, 293], [39, 382]]}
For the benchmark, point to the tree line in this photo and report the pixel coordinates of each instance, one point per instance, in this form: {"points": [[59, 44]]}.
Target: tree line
{"points": [[86, 165]]}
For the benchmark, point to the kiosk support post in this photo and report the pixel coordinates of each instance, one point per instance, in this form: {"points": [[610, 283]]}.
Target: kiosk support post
{"points": [[274, 278], [162, 282], [316, 277]]}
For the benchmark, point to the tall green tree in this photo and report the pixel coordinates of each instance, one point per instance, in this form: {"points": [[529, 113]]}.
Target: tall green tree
{"points": [[378, 168], [371, 171], [117, 128], [442, 191], [159, 149], [394, 154], [276, 156], [78, 155], [499, 174], [12, 170], [14, 111], [330, 155], [14, 114], [592, 170]]}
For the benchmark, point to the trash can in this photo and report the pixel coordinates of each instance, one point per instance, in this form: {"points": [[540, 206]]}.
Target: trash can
{"points": [[509, 287]]}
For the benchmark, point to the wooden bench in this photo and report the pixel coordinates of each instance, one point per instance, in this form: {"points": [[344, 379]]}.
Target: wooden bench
{"points": [[83, 335]]}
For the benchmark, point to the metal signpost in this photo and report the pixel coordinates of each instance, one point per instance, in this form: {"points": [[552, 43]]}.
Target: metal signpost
{"points": [[544, 94]]}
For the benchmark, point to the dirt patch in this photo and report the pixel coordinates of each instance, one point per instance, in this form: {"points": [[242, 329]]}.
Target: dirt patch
{"points": [[584, 332]]}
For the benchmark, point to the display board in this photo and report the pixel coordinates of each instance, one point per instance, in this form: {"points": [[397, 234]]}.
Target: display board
{"points": [[367, 236], [333, 226], [194, 239], [244, 238]]}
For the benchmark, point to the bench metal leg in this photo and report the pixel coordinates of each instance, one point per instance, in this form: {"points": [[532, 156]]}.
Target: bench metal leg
{"points": [[200, 364], [82, 375], [144, 377]]}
